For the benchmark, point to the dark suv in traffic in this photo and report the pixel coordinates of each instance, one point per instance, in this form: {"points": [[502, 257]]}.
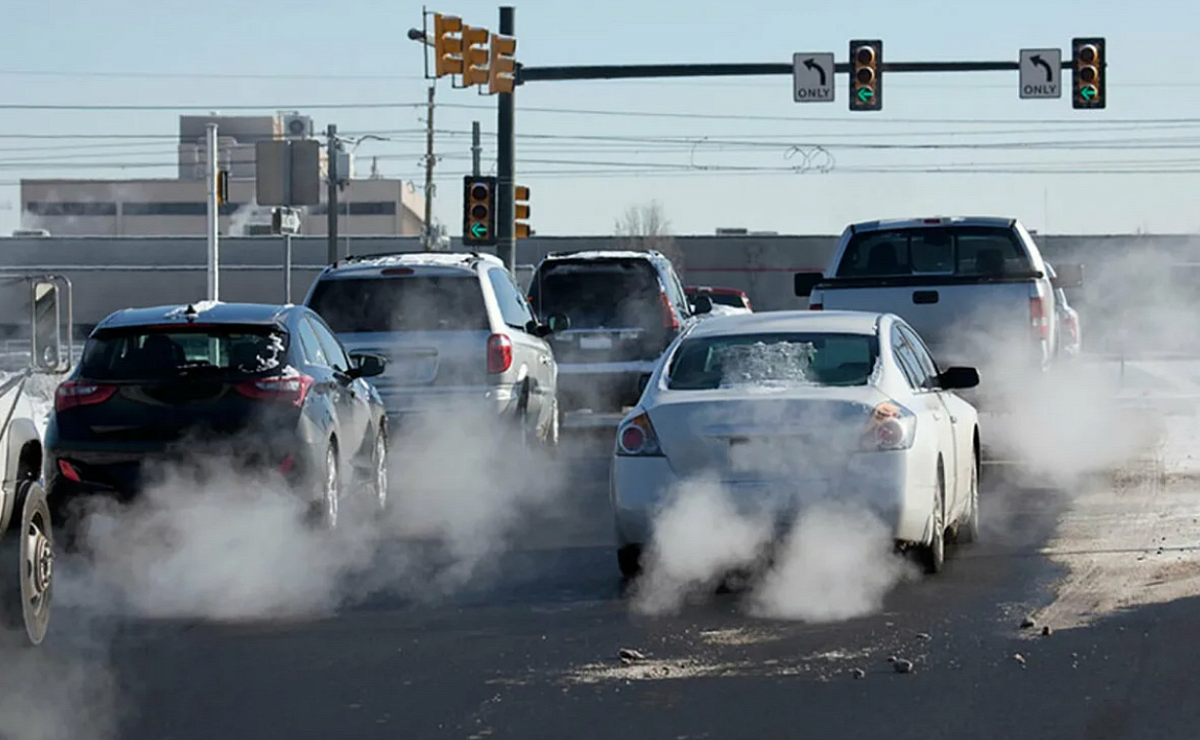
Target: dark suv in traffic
{"points": [[613, 315], [261, 387]]}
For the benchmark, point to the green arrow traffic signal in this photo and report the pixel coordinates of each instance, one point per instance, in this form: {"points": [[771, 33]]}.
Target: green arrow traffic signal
{"points": [[1088, 92], [478, 230], [865, 94]]}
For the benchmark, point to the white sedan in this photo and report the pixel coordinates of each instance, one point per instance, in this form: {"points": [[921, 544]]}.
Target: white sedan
{"points": [[787, 407]]}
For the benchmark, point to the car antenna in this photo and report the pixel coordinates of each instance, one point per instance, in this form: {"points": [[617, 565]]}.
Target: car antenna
{"points": [[190, 314]]}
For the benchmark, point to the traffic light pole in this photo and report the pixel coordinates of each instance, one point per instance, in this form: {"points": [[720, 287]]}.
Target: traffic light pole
{"points": [[331, 217], [631, 71], [506, 160]]}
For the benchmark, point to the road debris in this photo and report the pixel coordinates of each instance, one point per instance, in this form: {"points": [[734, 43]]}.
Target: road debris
{"points": [[1019, 658], [858, 673], [629, 655], [924, 636], [1046, 631], [1028, 623], [903, 666]]}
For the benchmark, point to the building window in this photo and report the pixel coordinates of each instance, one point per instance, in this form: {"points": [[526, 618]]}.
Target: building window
{"points": [[176, 209], [61, 208], [363, 208]]}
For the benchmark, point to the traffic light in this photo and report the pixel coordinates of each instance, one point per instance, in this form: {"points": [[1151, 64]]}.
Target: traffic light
{"points": [[866, 78], [479, 210], [1088, 63], [521, 211], [222, 187], [474, 56], [502, 68], [447, 47]]}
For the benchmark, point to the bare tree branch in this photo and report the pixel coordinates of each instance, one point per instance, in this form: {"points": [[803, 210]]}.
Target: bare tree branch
{"points": [[646, 227]]}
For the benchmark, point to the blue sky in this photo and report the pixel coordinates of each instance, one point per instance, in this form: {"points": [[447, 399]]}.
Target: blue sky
{"points": [[578, 139]]}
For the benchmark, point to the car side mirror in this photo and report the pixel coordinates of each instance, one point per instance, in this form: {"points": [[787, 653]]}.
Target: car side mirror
{"points": [[50, 334], [643, 381], [1068, 276], [702, 305], [805, 282], [558, 322], [538, 330], [367, 365], [958, 378]]}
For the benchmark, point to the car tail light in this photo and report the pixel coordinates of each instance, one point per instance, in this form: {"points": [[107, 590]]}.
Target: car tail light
{"points": [[637, 438], [287, 465], [397, 271], [816, 307], [891, 427], [291, 389], [499, 353], [74, 393], [1038, 321], [670, 319], [69, 472]]}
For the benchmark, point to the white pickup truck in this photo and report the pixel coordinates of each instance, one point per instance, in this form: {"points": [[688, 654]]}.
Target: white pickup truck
{"points": [[26, 534], [975, 288]]}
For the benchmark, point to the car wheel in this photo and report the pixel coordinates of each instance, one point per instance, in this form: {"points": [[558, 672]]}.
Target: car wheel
{"points": [[629, 559], [968, 531], [27, 566], [933, 555], [325, 509], [379, 472]]}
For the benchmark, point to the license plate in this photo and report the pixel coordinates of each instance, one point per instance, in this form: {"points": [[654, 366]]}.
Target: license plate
{"points": [[595, 342], [412, 369], [762, 455]]}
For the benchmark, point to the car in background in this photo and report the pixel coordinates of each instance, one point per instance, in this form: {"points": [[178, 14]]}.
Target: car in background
{"points": [[457, 332], [618, 311], [266, 388], [725, 301], [783, 408]]}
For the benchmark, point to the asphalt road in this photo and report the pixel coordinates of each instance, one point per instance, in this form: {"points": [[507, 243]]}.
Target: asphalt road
{"points": [[531, 651]]}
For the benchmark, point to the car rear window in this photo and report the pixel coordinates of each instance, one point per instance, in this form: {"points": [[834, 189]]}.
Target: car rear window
{"points": [[142, 353], [709, 363], [410, 303], [985, 251], [727, 299], [608, 294]]}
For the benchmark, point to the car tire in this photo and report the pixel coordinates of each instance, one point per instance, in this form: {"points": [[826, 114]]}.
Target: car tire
{"points": [[379, 473], [933, 555], [968, 530], [629, 560], [326, 506], [27, 566]]}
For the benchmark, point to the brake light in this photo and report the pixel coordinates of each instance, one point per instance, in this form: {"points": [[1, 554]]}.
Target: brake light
{"points": [[499, 353], [69, 472], [74, 393], [291, 389], [397, 271], [816, 307], [670, 319], [891, 427], [288, 465], [1037, 318], [637, 438]]}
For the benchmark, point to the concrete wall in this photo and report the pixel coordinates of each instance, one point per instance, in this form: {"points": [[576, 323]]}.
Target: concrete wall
{"points": [[114, 273]]}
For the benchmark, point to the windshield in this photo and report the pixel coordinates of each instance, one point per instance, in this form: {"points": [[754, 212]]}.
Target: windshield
{"points": [[609, 294], [147, 353], [984, 251], [416, 303], [709, 363]]}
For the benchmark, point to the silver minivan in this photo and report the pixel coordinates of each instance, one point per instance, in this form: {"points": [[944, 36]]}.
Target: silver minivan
{"points": [[457, 331]]}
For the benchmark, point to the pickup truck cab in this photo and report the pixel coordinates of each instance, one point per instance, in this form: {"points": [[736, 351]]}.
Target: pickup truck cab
{"points": [[975, 288]]}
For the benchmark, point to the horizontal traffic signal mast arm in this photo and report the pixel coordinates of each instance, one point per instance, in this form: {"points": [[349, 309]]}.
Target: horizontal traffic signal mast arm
{"points": [[751, 69]]}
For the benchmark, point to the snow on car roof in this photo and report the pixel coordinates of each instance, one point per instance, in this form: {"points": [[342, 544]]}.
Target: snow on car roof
{"points": [[600, 254], [416, 259], [767, 322]]}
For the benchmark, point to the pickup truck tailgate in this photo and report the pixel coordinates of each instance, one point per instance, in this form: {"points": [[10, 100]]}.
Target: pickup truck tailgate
{"points": [[958, 322]]}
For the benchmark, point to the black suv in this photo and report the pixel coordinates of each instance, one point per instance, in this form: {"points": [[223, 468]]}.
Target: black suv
{"points": [[261, 387], [613, 314]]}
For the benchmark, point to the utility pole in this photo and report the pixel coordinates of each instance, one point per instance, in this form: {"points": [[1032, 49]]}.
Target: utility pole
{"points": [[213, 212], [331, 147], [427, 231], [476, 149], [506, 158]]}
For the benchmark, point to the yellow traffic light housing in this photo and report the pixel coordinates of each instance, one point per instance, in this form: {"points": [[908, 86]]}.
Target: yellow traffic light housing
{"points": [[1088, 63], [521, 212], [479, 210], [866, 80], [447, 46], [222, 187], [474, 54], [502, 67]]}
